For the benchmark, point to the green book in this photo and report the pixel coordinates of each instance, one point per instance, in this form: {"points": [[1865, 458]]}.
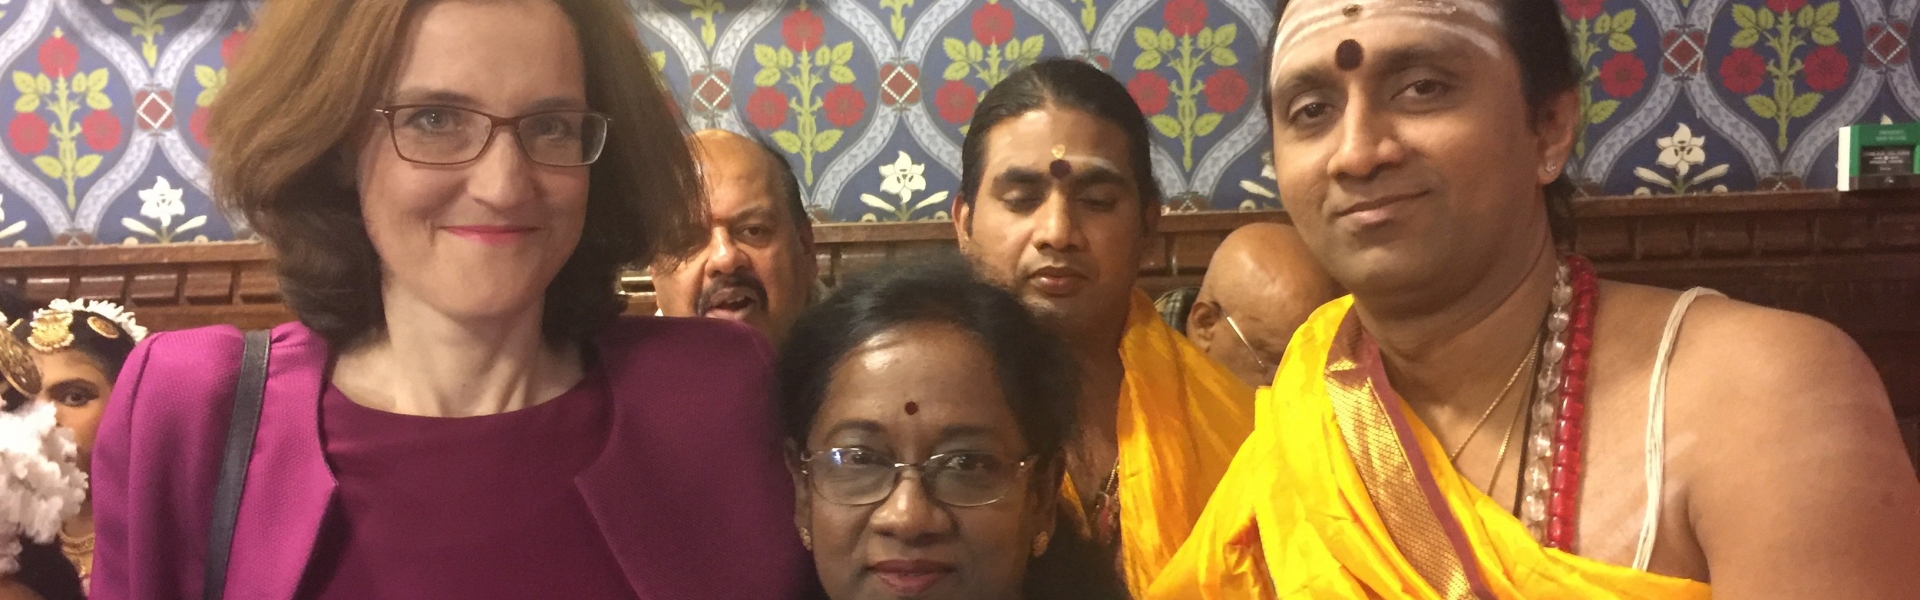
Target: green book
{"points": [[1879, 156]]}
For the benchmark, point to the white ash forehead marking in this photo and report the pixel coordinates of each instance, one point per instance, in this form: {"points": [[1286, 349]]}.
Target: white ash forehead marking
{"points": [[1438, 15], [1295, 24]]}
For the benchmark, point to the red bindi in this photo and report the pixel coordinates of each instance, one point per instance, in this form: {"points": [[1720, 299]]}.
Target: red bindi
{"points": [[912, 407], [1060, 168]]}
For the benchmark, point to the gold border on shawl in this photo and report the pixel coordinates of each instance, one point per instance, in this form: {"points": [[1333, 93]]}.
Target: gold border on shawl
{"points": [[1382, 463]]}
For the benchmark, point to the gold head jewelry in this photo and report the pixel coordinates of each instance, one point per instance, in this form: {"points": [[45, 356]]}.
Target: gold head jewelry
{"points": [[52, 327], [103, 327], [52, 331], [1059, 151], [16, 367]]}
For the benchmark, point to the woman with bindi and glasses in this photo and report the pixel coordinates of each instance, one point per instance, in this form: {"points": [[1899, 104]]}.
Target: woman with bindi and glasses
{"points": [[926, 412]]}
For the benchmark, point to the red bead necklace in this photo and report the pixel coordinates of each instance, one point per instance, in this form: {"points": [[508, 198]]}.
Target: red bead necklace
{"points": [[1551, 461], [1569, 429]]}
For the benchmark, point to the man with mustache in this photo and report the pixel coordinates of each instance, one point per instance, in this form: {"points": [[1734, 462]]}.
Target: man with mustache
{"points": [[1483, 418], [758, 266], [1261, 284], [1058, 203]]}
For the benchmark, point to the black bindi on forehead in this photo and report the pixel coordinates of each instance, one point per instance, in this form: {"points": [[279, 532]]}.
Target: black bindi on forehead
{"points": [[912, 407], [1348, 55]]}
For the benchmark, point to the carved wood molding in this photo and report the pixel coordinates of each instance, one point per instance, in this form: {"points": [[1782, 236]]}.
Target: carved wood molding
{"points": [[1852, 259]]}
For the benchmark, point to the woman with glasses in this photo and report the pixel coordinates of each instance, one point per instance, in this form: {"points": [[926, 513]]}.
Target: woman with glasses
{"points": [[926, 411], [452, 187]]}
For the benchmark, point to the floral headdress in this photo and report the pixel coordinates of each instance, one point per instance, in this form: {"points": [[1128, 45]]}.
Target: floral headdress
{"points": [[52, 327]]}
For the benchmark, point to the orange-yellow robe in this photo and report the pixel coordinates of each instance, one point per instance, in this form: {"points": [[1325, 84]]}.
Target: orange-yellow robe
{"points": [[1181, 417], [1293, 519]]}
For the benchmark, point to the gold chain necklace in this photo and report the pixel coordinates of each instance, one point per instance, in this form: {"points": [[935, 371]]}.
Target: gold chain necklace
{"points": [[1501, 460], [1454, 456], [79, 551]]}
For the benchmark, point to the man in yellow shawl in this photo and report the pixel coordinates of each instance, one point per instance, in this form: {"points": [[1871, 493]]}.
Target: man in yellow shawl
{"points": [[1483, 418], [1058, 203]]}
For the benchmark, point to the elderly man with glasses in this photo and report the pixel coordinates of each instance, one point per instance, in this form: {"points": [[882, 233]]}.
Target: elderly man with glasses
{"points": [[1260, 286]]}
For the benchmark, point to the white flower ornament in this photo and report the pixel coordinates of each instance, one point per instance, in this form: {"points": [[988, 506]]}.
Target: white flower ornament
{"points": [[1682, 150], [119, 315], [903, 176], [162, 202], [41, 485]]}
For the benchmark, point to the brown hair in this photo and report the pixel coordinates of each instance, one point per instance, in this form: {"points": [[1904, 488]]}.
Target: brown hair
{"points": [[301, 97]]}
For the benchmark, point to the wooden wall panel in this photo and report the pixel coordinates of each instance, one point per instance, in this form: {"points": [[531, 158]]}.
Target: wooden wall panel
{"points": [[1852, 259]]}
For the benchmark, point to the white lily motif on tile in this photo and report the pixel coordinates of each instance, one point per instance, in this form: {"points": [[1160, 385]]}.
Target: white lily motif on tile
{"points": [[902, 178], [1680, 153], [162, 203], [7, 231], [1264, 197]]}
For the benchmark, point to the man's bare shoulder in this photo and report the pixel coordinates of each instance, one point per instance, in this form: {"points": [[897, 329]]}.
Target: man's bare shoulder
{"points": [[1781, 436], [1760, 351]]}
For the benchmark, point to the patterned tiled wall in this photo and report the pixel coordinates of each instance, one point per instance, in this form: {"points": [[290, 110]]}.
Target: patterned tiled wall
{"points": [[869, 97]]}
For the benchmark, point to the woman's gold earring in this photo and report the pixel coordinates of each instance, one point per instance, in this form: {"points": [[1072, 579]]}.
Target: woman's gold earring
{"points": [[1040, 543], [806, 539]]}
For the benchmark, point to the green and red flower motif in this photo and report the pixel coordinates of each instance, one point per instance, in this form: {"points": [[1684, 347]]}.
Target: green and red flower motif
{"points": [[1620, 76], [803, 30], [992, 54], [1742, 71], [992, 24], [844, 106], [1787, 28], [145, 22], [805, 63], [767, 109], [211, 79], [956, 101], [1580, 10], [1226, 90], [1150, 91], [1826, 69], [28, 134], [63, 91], [1186, 46]]}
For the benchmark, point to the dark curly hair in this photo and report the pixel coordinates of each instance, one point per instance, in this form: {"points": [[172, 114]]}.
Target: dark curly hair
{"points": [[302, 95]]}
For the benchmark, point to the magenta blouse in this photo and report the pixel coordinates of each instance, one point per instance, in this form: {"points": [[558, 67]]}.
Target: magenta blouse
{"points": [[475, 507]]}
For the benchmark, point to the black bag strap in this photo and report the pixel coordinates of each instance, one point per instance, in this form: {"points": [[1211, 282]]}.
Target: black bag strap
{"points": [[249, 392]]}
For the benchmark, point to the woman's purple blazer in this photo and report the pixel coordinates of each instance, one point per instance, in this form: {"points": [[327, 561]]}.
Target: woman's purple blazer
{"points": [[690, 491]]}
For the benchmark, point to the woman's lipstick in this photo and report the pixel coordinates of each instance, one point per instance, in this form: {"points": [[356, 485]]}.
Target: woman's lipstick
{"points": [[491, 235]]}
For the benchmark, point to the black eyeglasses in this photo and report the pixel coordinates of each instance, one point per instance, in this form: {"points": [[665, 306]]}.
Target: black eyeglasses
{"points": [[859, 476], [445, 135]]}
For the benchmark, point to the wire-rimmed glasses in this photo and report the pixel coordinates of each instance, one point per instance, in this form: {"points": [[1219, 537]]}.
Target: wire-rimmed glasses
{"points": [[859, 476], [446, 135]]}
